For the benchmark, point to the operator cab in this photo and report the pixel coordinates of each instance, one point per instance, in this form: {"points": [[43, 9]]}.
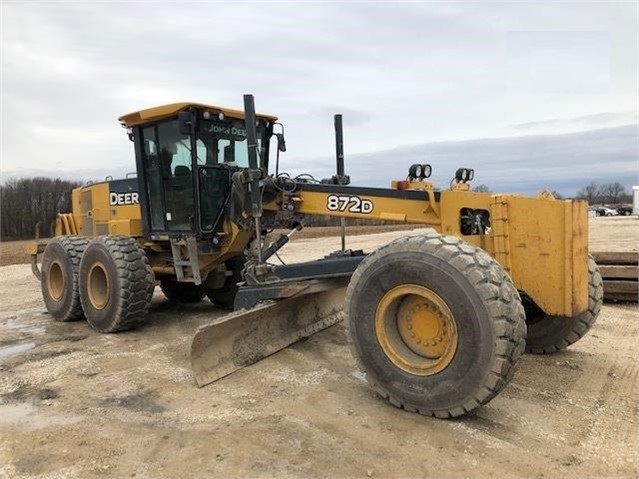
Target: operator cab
{"points": [[185, 156]]}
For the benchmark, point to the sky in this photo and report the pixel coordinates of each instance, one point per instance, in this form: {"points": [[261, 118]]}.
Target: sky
{"points": [[531, 95]]}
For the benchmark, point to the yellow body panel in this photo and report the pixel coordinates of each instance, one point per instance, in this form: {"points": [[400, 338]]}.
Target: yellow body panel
{"points": [[130, 227], [406, 211], [545, 251], [171, 110], [77, 209], [93, 215], [541, 243]]}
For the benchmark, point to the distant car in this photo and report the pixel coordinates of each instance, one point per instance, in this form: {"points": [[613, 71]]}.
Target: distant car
{"points": [[605, 211], [602, 211], [624, 210]]}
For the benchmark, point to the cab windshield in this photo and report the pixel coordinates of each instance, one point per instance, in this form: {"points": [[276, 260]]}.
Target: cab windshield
{"points": [[224, 143], [170, 170]]}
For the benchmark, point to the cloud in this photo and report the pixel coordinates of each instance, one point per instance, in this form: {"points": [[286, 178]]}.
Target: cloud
{"points": [[354, 117], [555, 63], [82, 175], [401, 73], [581, 123], [524, 164]]}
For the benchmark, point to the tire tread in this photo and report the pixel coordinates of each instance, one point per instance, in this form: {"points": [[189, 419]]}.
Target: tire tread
{"points": [[136, 281], [74, 247], [581, 323], [499, 295]]}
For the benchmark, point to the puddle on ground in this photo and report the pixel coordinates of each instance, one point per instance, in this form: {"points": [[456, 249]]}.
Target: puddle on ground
{"points": [[28, 320], [15, 349], [28, 415], [359, 375]]}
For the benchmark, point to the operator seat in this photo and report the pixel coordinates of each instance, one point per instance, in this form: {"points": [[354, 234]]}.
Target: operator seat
{"points": [[182, 172], [182, 186], [166, 158]]}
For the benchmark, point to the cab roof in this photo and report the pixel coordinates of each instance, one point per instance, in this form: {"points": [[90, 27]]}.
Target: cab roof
{"points": [[166, 111]]}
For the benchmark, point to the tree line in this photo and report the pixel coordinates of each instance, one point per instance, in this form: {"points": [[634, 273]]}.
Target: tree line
{"points": [[594, 193], [27, 204], [28, 208], [607, 193]]}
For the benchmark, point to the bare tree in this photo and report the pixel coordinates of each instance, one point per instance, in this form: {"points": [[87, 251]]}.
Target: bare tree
{"points": [[28, 201], [482, 189], [590, 192], [613, 192]]}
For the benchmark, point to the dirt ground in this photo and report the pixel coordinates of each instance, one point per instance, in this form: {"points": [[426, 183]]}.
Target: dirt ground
{"points": [[78, 404], [616, 233]]}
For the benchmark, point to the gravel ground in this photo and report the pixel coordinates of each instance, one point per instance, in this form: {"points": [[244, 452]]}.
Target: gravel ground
{"points": [[78, 404]]}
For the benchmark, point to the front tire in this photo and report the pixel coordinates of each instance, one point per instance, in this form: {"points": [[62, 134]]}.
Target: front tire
{"points": [[549, 334], [59, 280], [116, 283], [435, 323]]}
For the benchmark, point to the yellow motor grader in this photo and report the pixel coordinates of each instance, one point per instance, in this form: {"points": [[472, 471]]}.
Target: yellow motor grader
{"points": [[437, 321]]}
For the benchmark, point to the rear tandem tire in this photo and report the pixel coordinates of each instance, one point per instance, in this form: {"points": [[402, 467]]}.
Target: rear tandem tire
{"points": [[59, 280], [116, 283], [182, 292], [549, 334], [436, 324]]}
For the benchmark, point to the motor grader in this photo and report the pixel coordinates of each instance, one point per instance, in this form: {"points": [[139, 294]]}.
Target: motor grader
{"points": [[437, 321]]}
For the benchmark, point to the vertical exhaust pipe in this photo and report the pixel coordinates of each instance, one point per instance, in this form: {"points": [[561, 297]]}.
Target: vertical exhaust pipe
{"points": [[339, 145], [339, 157], [254, 171]]}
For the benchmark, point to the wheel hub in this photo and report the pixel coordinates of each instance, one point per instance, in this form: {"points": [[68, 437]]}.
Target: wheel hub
{"points": [[416, 329], [55, 283], [98, 286], [422, 327]]}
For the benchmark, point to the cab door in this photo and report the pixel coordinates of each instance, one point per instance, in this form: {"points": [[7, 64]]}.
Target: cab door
{"points": [[167, 172]]}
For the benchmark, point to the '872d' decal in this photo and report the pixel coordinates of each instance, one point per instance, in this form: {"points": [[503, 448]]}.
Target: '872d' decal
{"points": [[352, 204]]}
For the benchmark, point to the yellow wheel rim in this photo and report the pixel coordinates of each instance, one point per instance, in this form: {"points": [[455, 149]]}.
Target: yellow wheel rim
{"points": [[55, 283], [416, 329], [98, 286]]}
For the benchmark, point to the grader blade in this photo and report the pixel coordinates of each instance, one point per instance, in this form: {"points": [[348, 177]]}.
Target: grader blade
{"points": [[245, 337]]}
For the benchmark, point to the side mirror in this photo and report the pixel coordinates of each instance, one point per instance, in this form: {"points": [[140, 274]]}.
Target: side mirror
{"points": [[281, 142], [186, 122]]}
